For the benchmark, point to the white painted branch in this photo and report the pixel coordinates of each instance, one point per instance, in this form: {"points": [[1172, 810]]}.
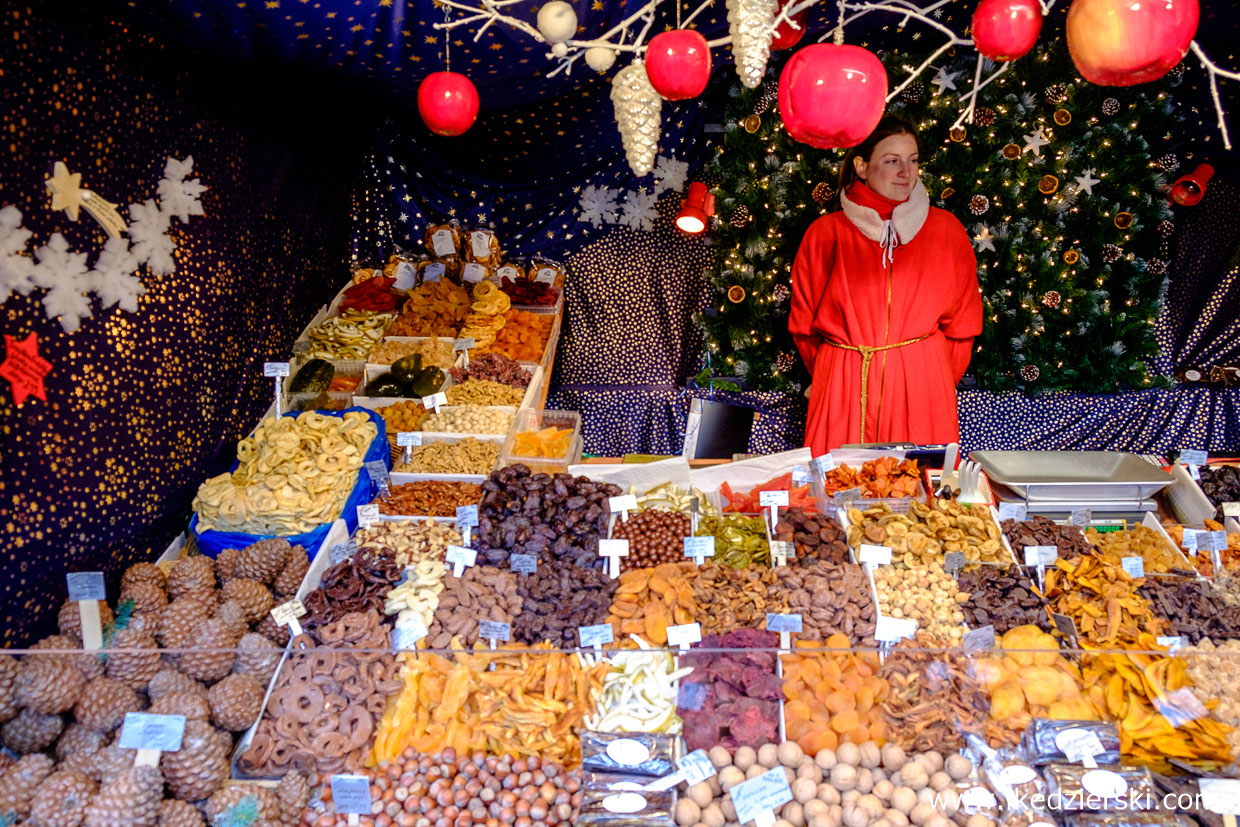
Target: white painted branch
{"points": [[1214, 70], [925, 65]]}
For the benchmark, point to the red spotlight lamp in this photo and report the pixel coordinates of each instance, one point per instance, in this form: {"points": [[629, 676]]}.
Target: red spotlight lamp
{"points": [[698, 205], [1191, 188]]}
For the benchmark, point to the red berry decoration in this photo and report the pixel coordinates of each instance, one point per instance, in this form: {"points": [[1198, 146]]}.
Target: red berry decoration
{"points": [[1122, 43], [832, 96], [785, 36], [448, 103], [678, 64], [1004, 30]]}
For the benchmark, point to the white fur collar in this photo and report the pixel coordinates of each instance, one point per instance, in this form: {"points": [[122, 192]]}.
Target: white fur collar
{"points": [[907, 217]]}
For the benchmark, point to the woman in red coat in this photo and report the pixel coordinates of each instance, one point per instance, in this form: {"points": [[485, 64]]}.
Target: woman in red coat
{"points": [[885, 303]]}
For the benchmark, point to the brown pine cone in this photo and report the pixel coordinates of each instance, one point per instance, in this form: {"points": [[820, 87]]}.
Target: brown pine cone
{"points": [[207, 597], [176, 813], [226, 565], [148, 598], [277, 634], [179, 622], [104, 703], [200, 766], [208, 658], [129, 801], [253, 596], [289, 580], [90, 665], [193, 574], [257, 656], [190, 704], [230, 795], [134, 668], [236, 702], [61, 800], [31, 732], [77, 738], [233, 615], [144, 573], [293, 793], [9, 668], [145, 622], [49, 686], [263, 560], [111, 763], [70, 618], [20, 781]]}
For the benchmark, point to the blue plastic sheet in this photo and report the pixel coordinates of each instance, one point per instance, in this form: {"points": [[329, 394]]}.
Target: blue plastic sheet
{"points": [[212, 542]]}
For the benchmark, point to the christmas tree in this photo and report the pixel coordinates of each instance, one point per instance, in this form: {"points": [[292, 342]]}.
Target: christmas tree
{"points": [[1060, 183]]}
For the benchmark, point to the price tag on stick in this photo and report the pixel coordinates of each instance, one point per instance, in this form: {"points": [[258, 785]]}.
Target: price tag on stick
{"points": [[597, 635], [759, 798], [772, 500], [351, 796], [622, 505], [378, 474], [406, 636], [460, 558], [1231, 509], [781, 552], [684, 635], [523, 563], [875, 555], [279, 370], [367, 515], [613, 550], [1013, 511], [286, 614], [466, 518], [786, 625], [151, 735], [494, 631], [435, 400], [86, 588], [1133, 566], [1080, 517], [699, 548]]}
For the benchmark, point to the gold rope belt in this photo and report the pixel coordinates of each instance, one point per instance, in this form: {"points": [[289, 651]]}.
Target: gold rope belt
{"points": [[867, 354]]}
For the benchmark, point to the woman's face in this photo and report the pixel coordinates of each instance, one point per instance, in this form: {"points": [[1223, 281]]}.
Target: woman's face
{"points": [[892, 168]]}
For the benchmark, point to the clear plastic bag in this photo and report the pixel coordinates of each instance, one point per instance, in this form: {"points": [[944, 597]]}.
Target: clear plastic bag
{"points": [[633, 753]]}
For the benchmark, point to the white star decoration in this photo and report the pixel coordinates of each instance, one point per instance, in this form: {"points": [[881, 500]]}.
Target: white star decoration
{"points": [[1036, 140], [944, 80], [1085, 183], [984, 240]]}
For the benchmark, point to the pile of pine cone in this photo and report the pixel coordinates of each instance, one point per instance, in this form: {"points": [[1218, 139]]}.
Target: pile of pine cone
{"points": [[164, 653]]}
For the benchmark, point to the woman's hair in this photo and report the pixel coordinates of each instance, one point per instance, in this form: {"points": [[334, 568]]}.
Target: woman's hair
{"points": [[888, 126]]}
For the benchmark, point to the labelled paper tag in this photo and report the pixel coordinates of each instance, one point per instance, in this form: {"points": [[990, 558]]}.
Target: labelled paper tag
{"points": [[508, 271], [1231, 509], [86, 585], [684, 635], [523, 563], [367, 515], [1134, 566], [628, 752], [613, 548], [1079, 745], [1013, 511], [342, 551], [545, 275], [848, 495], [1192, 457], [351, 793], [142, 730], [762, 794], [441, 243], [466, 515], [1220, 795], [1212, 541], [1189, 543], [625, 502], [407, 635], [435, 270], [285, 612], [783, 623], [480, 243], [1172, 642], [699, 547], [464, 343], [824, 463], [379, 475], [800, 475], [1041, 555], [1080, 517], [781, 552], [597, 635], [1104, 784], [1194, 472], [769, 498], [301, 347], [1180, 707], [697, 767], [460, 558], [494, 630], [473, 273], [953, 561], [406, 274], [979, 640], [405, 439], [891, 629], [275, 369], [435, 400], [875, 555], [1066, 626]]}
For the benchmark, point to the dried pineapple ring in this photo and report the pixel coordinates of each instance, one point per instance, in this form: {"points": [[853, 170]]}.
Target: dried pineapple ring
{"points": [[245, 450]]}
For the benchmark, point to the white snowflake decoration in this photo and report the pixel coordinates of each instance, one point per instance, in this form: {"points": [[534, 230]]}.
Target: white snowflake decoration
{"points": [[178, 197], [113, 279], [16, 270], [64, 274], [669, 174], [148, 231], [639, 211], [599, 205]]}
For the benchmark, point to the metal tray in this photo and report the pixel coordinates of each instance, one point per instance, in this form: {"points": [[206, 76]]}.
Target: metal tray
{"points": [[1077, 476]]}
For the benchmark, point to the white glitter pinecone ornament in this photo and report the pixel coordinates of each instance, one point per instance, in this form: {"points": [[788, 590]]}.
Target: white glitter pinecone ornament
{"points": [[749, 22], [638, 115]]}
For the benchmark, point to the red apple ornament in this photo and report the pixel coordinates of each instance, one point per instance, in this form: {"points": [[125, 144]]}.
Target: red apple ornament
{"points": [[678, 64], [1126, 42], [832, 96], [1004, 30], [785, 36], [448, 103]]}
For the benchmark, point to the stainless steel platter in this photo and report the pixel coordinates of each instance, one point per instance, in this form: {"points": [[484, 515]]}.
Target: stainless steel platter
{"points": [[1074, 476]]}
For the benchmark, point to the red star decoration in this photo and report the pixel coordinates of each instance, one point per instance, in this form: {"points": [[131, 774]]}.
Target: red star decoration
{"points": [[24, 367]]}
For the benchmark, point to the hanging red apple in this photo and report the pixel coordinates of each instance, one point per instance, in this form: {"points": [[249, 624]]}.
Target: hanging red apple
{"points": [[832, 96], [1126, 42], [448, 103], [1006, 29], [785, 36], [678, 64]]}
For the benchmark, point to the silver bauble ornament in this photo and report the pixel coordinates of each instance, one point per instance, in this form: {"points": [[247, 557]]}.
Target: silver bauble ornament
{"points": [[557, 21], [600, 58], [749, 22], [638, 113]]}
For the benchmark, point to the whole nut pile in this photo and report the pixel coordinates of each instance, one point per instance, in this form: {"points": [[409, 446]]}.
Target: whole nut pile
{"points": [[655, 536], [558, 518], [928, 595], [469, 419], [481, 593], [830, 599], [729, 598], [817, 537], [418, 596], [408, 541], [1043, 531], [1193, 608], [1140, 541], [484, 392], [434, 352], [429, 498], [355, 585], [926, 533], [1001, 597], [557, 600]]}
